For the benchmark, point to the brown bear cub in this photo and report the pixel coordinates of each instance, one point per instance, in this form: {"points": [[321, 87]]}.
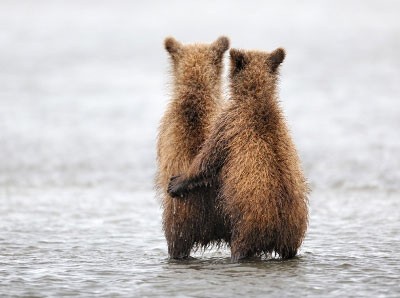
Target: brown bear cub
{"points": [[251, 160], [196, 101]]}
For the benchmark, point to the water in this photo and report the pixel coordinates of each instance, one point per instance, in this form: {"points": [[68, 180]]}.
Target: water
{"points": [[83, 242], [82, 87]]}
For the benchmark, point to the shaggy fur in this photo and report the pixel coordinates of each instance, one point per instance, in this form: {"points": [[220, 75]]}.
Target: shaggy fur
{"points": [[196, 101], [251, 159]]}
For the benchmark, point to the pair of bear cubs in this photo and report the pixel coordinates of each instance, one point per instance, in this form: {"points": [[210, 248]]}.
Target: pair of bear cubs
{"points": [[228, 171]]}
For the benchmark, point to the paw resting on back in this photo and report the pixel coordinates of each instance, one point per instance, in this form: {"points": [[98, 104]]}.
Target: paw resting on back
{"points": [[176, 187]]}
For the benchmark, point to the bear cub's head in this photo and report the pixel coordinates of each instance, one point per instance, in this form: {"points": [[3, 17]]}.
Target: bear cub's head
{"points": [[197, 65], [255, 71]]}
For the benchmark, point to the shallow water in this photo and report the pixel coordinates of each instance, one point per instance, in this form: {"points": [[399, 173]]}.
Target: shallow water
{"points": [[82, 241], [82, 88]]}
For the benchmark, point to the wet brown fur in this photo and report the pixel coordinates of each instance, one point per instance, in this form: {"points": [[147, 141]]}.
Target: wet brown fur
{"points": [[196, 101], [251, 159]]}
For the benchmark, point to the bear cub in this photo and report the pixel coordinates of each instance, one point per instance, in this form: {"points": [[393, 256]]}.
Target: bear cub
{"points": [[251, 161], [196, 101]]}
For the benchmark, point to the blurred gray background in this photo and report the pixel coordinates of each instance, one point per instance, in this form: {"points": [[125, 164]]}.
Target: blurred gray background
{"points": [[83, 85]]}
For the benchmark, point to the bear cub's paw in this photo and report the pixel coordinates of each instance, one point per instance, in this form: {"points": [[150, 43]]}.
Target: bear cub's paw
{"points": [[176, 187]]}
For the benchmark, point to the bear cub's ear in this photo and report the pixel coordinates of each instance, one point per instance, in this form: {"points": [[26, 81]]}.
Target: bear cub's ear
{"points": [[221, 45], [276, 58], [238, 60], [172, 46]]}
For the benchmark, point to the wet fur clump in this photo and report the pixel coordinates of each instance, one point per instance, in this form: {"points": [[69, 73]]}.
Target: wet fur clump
{"points": [[252, 163], [196, 101]]}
